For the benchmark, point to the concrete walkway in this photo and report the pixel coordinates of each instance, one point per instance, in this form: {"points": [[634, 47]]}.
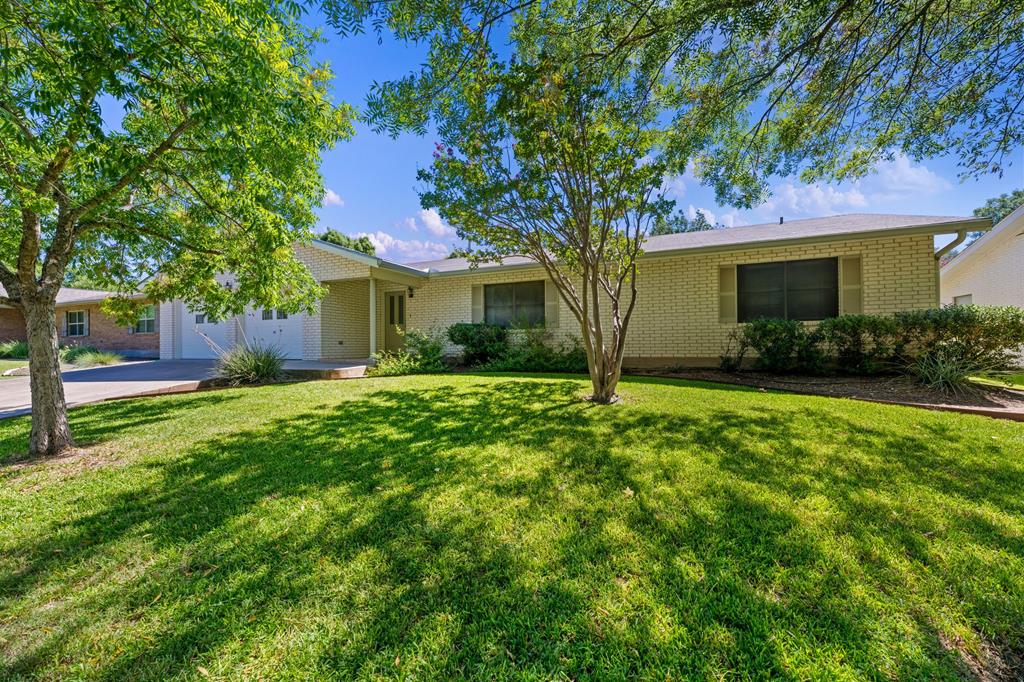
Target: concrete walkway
{"points": [[84, 386]]}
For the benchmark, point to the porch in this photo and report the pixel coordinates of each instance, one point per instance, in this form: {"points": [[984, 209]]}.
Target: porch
{"points": [[358, 318]]}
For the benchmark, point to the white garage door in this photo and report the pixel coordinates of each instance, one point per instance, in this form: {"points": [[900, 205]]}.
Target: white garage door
{"points": [[197, 333], [275, 328]]}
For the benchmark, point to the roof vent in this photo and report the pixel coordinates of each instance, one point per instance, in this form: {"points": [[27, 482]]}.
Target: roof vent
{"points": [[780, 220]]}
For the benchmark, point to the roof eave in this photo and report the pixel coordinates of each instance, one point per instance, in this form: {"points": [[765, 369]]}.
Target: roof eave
{"points": [[973, 225]]}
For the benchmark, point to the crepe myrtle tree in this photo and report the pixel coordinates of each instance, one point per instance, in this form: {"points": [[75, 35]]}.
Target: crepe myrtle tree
{"points": [[563, 169], [158, 143]]}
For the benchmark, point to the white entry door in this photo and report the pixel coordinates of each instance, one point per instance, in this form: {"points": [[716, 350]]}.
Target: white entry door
{"points": [[199, 335], [268, 327]]}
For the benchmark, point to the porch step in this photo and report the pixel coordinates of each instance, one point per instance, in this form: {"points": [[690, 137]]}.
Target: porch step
{"points": [[341, 372]]}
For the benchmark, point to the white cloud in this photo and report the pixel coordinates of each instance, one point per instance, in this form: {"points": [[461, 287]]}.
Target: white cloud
{"points": [[431, 220], [896, 180], [812, 200], [730, 219], [674, 186], [331, 198], [900, 177], [392, 248]]}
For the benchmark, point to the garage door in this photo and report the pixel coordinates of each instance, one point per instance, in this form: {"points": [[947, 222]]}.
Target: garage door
{"points": [[198, 334], [276, 328]]}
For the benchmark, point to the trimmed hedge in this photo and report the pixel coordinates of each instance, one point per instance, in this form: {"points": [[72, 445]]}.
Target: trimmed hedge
{"points": [[974, 339], [520, 349], [480, 342]]}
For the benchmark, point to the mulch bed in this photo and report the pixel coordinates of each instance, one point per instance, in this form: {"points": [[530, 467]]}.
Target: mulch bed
{"points": [[891, 389]]}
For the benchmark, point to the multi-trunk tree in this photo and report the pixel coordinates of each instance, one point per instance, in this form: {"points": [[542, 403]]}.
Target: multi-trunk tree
{"points": [[158, 144], [562, 166]]}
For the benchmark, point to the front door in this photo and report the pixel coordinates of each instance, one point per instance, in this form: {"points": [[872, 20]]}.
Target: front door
{"points": [[394, 321]]}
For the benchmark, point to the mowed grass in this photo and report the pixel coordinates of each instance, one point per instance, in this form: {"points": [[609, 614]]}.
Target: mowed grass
{"points": [[493, 527], [10, 364], [1006, 380]]}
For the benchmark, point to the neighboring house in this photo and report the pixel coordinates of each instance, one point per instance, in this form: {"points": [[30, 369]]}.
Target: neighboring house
{"points": [[990, 271], [80, 322], [694, 288]]}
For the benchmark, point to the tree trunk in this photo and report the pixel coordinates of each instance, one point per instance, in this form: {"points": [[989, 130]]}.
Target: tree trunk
{"points": [[51, 434], [604, 376]]}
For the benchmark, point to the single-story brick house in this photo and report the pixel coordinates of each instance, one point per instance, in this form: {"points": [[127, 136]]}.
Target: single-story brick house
{"points": [[80, 322], [694, 288], [990, 271]]}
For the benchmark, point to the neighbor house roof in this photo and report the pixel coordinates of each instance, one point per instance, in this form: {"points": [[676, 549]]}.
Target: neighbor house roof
{"points": [[853, 225], [70, 295], [1006, 229]]}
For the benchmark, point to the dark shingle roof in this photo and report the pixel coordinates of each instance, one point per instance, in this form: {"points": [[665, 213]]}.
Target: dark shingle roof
{"points": [[71, 295], [830, 227]]}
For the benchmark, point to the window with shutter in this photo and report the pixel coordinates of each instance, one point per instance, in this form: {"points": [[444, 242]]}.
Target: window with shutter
{"points": [[794, 290], [518, 303], [851, 286]]}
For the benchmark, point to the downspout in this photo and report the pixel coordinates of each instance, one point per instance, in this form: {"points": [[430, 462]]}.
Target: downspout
{"points": [[961, 235]]}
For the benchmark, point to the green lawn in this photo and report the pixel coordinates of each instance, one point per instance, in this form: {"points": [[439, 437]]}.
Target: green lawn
{"points": [[1008, 380], [10, 364], [495, 527]]}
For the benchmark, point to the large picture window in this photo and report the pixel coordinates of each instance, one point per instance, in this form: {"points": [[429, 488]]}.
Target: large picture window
{"points": [[792, 290], [516, 303]]}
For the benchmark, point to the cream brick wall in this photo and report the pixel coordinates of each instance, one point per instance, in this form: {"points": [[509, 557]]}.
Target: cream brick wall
{"points": [[317, 339], [326, 266], [994, 275], [676, 315], [345, 320]]}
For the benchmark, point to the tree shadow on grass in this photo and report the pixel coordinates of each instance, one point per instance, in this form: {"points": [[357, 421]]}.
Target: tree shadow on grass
{"points": [[94, 424], [504, 529]]}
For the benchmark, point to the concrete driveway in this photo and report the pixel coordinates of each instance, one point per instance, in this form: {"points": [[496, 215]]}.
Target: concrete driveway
{"points": [[82, 386]]}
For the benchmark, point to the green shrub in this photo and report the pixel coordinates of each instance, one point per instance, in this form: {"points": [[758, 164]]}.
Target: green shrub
{"points": [[95, 358], [978, 339], [986, 336], [71, 354], [481, 342], [423, 354], [861, 344], [251, 364], [532, 349], [393, 364], [781, 345], [15, 350]]}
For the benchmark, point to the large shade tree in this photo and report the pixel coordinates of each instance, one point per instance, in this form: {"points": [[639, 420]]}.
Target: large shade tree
{"points": [[165, 143], [565, 167], [824, 88]]}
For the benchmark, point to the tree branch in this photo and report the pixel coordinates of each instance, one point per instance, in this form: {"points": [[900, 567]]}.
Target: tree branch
{"points": [[141, 167]]}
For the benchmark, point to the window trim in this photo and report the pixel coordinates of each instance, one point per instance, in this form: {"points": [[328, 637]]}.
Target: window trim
{"points": [[785, 288], [84, 322], [144, 319], [543, 304]]}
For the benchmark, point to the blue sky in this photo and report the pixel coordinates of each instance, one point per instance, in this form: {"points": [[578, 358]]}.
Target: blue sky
{"points": [[372, 188]]}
